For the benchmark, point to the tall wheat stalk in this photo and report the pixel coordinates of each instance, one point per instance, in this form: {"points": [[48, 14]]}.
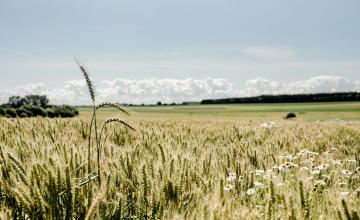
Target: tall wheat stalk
{"points": [[93, 119], [94, 122]]}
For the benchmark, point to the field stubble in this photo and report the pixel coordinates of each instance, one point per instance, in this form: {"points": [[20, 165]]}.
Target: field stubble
{"points": [[210, 169]]}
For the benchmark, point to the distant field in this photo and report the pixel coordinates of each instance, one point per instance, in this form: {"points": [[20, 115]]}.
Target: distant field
{"points": [[305, 111]]}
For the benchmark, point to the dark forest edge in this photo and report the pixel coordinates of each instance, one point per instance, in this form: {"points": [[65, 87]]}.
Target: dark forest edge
{"points": [[293, 98], [35, 105]]}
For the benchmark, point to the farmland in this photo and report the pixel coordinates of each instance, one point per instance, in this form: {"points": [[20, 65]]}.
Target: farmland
{"points": [[305, 111], [186, 162]]}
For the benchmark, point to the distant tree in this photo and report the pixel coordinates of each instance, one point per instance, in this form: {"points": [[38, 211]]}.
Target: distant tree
{"points": [[11, 112], [35, 110], [293, 98], [38, 100], [158, 103], [16, 101], [35, 105], [23, 113], [50, 113]]}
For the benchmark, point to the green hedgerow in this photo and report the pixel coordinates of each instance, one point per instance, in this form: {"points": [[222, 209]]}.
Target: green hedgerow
{"points": [[11, 112]]}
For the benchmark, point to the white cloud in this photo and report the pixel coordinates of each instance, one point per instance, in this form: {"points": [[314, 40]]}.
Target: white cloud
{"points": [[178, 90], [322, 83]]}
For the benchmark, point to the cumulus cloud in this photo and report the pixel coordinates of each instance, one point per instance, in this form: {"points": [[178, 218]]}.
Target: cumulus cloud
{"points": [[322, 83], [179, 90]]}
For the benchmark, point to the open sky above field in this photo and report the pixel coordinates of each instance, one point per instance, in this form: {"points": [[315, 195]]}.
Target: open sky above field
{"points": [[148, 51]]}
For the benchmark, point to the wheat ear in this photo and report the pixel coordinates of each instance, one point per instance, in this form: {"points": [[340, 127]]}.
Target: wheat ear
{"points": [[121, 122], [88, 81], [114, 105]]}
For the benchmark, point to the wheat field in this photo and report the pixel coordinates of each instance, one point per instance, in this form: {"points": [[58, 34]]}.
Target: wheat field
{"points": [[181, 168], [102, 166]]}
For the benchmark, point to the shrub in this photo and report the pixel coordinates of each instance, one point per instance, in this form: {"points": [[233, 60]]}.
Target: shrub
{"points": [[50, 113], [23, 113], [65, 111], [35, 105], [2, 112], [290, 115], [11, 112], [35, 110]]}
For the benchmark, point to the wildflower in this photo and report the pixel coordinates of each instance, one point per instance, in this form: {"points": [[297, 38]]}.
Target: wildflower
{"points": [[336, 162], [322, 167], [275, 167], [259, 172], [267, 176], [269, 171], [357, 190], [269, 124], [228, 187], [307, 161], [327, 153], [325, 176], [282, 167], [232, 174], [321, 183], [231, 177], [343, 194], [279, 183], [304, 168], [301, 153], [314, 172], [259, 184], [251, 191], [330, 151], [346, 172], [357, 170], [341, 184], [285, 166], [290, 165]]}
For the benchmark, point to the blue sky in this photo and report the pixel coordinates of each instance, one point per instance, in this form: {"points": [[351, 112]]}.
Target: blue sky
{"points": [[283, 40]]}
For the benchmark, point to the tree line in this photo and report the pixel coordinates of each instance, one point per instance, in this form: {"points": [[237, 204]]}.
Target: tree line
{"points": [[35, 105], [292, 98]]}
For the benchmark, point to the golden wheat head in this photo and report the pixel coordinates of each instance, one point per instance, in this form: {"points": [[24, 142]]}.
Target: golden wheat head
{"points": [[88, 81], [114, 105], [121, 122]]}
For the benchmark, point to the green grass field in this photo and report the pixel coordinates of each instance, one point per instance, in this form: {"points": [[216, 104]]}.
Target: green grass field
{"points": [[304, 111]]}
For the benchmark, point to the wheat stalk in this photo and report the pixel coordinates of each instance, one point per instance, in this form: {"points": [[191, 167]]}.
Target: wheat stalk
{"points": [[95, 204], [114, 105]]}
